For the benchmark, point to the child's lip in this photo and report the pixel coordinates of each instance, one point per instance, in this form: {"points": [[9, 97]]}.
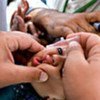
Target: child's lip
{"points": [[36, 61], [47, 59]]}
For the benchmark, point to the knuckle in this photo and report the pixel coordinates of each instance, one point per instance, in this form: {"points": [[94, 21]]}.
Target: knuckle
{"points": [[35, 74]]}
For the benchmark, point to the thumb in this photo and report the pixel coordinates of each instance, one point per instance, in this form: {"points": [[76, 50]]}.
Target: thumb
{"points": [[13, 74], [31, 74], [75, 55]]}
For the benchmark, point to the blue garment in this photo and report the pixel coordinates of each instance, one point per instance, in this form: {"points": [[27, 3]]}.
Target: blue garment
{"points": [[7, 93], [19, 92]]}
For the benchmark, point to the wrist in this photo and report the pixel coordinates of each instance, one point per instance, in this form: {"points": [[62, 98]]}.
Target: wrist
{"points": [[39, 13], [34, 12]]}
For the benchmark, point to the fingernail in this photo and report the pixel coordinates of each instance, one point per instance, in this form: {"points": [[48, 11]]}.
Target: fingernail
{"points": [[43, 77], [73, 44]]}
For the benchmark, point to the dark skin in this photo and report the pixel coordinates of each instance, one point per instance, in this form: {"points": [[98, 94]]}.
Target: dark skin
{"points": [[53, 22], [60, 24], [20, 21]]}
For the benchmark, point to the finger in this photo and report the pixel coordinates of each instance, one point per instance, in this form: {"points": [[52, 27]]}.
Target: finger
{"points": [[75, 56], [79, 28], [91, 43], [31, 28], [14, 14], [20, 13], [26, 6], [49, 69], [14, 24], [20, 74], [86, 26], [21, 24], [93, 16], [23, 41], [75, 59], [72, 26], [75, 23], [31, 74]]}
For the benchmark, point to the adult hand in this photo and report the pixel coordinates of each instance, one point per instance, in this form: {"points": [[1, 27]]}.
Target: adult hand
{"points": [[81, 73], [10, 73], [60, 24], [20, 21]]}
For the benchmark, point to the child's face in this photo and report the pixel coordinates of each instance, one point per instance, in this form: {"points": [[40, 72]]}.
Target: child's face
{"points": [[51, 62]]}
